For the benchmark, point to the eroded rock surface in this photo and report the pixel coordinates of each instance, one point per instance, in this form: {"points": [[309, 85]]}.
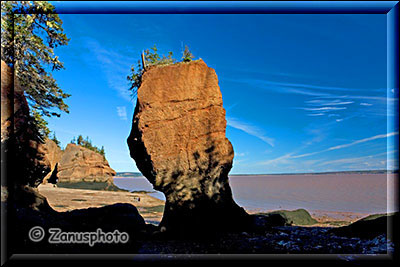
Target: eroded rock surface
{"points": [[178, 142], [79, 164], [54, 155], [23, 152]]}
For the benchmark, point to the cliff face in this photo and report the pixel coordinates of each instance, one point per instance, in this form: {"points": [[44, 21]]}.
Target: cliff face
{"points": [[23, 152], [79, 164], [54, 155], [178, 142]]}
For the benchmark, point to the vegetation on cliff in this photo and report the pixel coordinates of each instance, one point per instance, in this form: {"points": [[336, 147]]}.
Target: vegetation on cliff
{"points": [[30, 30], [87, 143], [152, 58], [55, 140]]}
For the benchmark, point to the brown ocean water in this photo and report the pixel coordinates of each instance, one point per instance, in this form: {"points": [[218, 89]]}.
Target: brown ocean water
{"points": [[362, 193]]}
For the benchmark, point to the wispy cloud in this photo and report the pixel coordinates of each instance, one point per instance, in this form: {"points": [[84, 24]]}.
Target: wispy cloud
{"points": [[354, 159], [365, 104], [250, 129], [316, 114], [279, 160], [323, 108], [121, 111], [323, 102], [380, 136], [113, 64]]}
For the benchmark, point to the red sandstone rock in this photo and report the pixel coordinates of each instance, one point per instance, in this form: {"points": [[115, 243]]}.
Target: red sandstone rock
{"points": [[54, 155], [23, 152], [79, 164], [178, 142]]}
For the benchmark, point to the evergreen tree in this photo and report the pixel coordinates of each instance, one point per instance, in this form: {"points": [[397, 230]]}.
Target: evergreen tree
{"points": [[30, 30], [187, 55], [55, 140], [151, 58], [79, 141]]}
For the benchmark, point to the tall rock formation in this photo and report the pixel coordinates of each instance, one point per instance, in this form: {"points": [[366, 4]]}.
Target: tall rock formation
{"points": [[23, 162], [79, 164], [178, 142]]}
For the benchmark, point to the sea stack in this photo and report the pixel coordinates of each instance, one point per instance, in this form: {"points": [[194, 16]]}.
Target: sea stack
{"points": [[80, 164], [178, 142]]}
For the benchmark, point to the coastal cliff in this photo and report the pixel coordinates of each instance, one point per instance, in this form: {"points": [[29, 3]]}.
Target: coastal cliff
{"points": [[54, 155], [23, 159], [79, 164], [178, 142]]}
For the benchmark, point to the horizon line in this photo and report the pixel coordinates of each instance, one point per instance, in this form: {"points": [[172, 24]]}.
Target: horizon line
{"points": [[293, 173]]}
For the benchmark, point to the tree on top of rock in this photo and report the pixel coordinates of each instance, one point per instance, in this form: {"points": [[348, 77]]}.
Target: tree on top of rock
{"points": [[30, 30], [187, 55], [79, 141], [87, 143], [151, 58], [55, 140]]}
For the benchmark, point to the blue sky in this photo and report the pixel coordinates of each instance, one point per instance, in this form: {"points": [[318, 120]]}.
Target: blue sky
{"points": [[303, 93]]}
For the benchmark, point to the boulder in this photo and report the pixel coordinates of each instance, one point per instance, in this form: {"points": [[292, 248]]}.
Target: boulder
{"points": [[291, 217], [178, 142], [369, 227], [79, 164]]}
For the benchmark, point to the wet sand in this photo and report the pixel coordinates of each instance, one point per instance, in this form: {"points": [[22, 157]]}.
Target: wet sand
{"points": [[151, 208], [65, 199]]}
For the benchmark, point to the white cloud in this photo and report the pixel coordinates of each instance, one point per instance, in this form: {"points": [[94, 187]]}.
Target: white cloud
{"points": [[114, 65], [280, 160], [380, 136], [365, 104], [321, 102], [357, 160], [250, 129], [324, 108], [315, 114], [121, 111]]}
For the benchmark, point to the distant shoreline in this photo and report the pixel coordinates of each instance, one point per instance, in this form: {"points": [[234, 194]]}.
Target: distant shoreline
{"points": [[138, 174]]}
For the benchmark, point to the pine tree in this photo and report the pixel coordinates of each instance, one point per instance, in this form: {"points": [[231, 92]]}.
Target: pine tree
{"points": [[151, 58], [55, 140], [79, 140], [30, 30], [187, 55]]}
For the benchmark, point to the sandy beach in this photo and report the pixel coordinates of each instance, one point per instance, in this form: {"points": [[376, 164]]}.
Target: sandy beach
{"points": [[151, 208], [65, 199]]}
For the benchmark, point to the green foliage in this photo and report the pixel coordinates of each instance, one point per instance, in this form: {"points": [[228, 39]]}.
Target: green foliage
{"points": [[296, 217], [187, 55], [87, 143], [30, 30], [151, 58], [40, 123], [79, 141], [55, 140]]}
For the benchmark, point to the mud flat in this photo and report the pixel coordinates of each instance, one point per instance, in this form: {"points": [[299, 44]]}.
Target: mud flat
{"points": [[151, 208], [66, 199]]}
